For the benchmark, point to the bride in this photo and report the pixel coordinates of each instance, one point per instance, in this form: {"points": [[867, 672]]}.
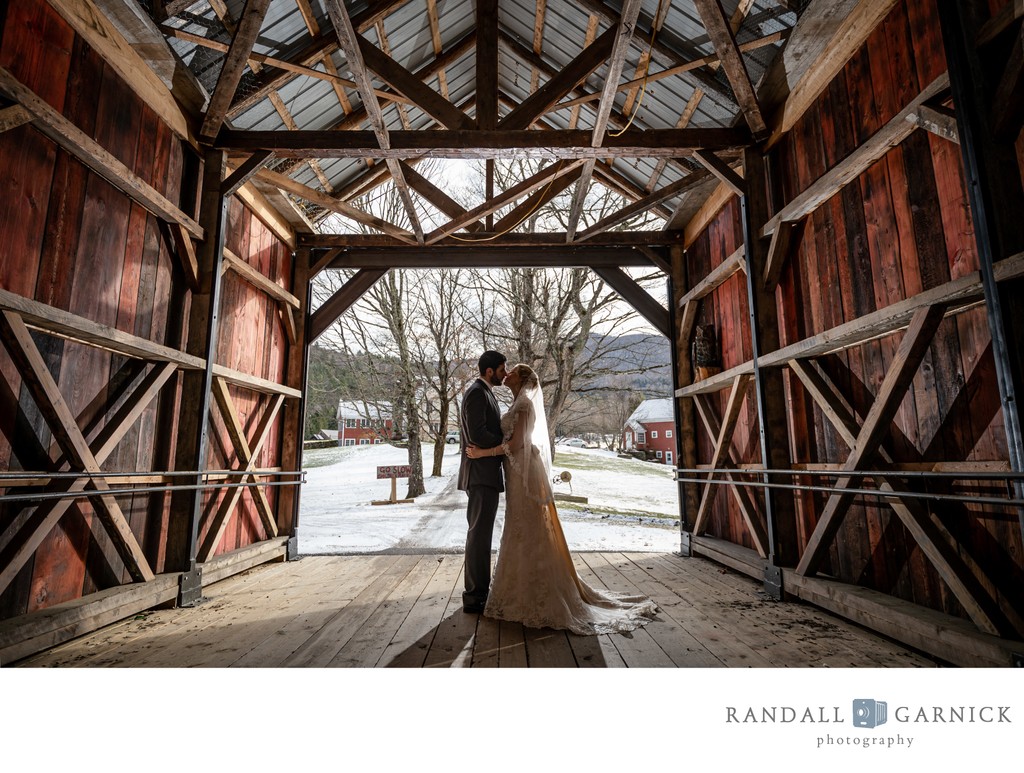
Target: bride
{"points": [[535, 582]]}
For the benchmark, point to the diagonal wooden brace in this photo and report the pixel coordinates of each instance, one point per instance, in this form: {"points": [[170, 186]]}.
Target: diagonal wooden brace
{"points": [[890, 394], [956, 569], [723, 440], [748, 508], [247, 457], [66, 432]]}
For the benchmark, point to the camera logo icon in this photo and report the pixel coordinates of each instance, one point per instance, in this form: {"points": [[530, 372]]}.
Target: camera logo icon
{"points": [[869, 713]]}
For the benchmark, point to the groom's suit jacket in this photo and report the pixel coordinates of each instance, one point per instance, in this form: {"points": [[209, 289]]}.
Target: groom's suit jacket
{"points": [[480, 420]]}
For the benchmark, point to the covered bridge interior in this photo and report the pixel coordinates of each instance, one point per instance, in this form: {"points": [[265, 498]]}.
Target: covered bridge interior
{"points": [[840, 186]]}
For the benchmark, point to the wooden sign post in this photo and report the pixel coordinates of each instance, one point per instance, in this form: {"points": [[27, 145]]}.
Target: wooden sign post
{"points": [[393, 471]]}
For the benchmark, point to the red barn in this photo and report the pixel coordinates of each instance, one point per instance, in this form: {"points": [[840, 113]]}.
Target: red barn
{"points": [[362, 424], [651, 428]]}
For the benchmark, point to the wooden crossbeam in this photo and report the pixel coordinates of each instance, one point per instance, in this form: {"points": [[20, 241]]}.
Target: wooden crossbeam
{"points": [[487, 64], [724, 41], [1007, 15], [537, 200], [747, 506], [715, 278], [940, 121], [440, 143], [48, 514], [418, 93], [623, 29], [246, 171], [890, 394], [76, 142], [37, 377], [644, 204], [570, 76], [722, 441], [348, 39], [234, 64], [638, 298], [260, 280], [12, 117], [851, 167], [247, 461], [338, 304], [785, 240], [722, 171], [959, 295], [321, 199], [533, 182], [931, 535], [186, 252], [436, 196]]}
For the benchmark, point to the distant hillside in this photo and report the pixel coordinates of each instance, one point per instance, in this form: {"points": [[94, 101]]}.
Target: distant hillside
{"points": [[648, 356]]}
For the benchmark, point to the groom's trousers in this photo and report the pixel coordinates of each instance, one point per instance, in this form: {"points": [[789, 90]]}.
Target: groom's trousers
{"points": [[483, 507]]}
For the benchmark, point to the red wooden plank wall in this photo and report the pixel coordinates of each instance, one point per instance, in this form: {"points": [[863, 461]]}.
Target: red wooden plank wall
{"points": [[71, 240], [903, 227]]}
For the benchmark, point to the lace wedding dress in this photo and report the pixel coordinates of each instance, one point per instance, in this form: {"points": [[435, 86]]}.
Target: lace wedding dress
{"points": [[535, 582]]}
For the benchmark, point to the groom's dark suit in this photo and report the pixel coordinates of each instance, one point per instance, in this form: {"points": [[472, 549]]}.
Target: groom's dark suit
{"points": [[480, 420]]}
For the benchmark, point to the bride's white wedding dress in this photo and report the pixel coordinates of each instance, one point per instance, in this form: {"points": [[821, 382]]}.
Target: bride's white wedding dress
{"points": [[535, 582]]}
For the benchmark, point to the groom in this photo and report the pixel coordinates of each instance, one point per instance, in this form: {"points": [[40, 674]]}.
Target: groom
{"points": [[481, 478]]}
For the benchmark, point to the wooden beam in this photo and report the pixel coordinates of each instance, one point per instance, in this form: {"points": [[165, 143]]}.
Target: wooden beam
{"points": [[234, 63], [721, 170], [623, 30], [76, 142], [643, 205], [61, 421], [12, 117], [530, 205], [931, 535], [890, 394], [548, 174], [259, 280], [1007, 15], [487, 64], [785, 239], [654, 77], [348, 39], [436, 196], [958, 295], [722, 38], [849, 37], [247, 460], [744, 500], [49, 514], [708, 211], [940, 121], [649, 143], [339, 303], [96, 29], [186, 252], [418, 93], [570, 76], [453, 254], [721, 443], [715, 278], [851, 167], [245, 172], [620, 239], [637, 297], [286, 183], [267, 213]]}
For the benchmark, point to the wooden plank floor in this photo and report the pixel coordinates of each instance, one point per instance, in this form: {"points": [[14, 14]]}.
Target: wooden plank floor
{"points": [[400, 611]]}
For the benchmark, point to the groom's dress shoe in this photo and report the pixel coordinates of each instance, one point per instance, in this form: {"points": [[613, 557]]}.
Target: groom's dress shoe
{"points": [[473, 609]]}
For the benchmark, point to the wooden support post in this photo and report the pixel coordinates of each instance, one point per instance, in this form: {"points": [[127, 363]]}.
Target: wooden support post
{"points": [[780, 509], [997, 199], [682, 375], [193, 427], [294, 410]]}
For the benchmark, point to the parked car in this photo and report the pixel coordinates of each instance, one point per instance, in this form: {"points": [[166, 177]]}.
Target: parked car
{"points": [[575, 442], [451, 437]]}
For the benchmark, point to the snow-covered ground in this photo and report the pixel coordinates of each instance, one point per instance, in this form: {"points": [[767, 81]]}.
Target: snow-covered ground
{"points": [[632, 505]]}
